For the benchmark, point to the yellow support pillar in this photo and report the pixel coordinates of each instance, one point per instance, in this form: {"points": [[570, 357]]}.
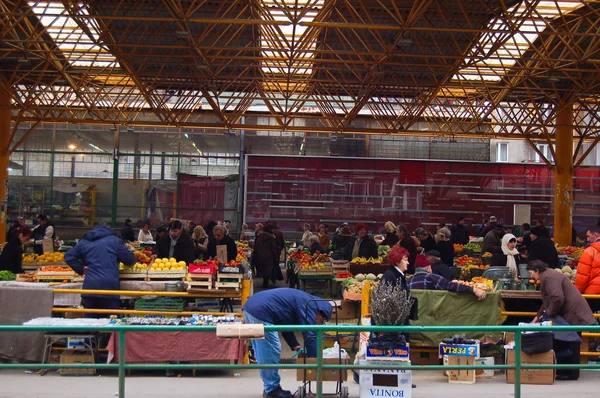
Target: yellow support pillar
{"points": [[5, 136], [563, 177], [246, 290]]}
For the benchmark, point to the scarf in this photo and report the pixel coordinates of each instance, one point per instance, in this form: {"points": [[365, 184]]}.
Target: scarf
{"points": [[510, 259], [172, 247]]}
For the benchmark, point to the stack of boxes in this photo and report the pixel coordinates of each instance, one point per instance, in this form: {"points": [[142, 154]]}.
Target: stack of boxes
{"points": [[530, 376]]}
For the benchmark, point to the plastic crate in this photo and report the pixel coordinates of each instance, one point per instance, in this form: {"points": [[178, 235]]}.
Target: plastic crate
{"points": [[159, 304]]}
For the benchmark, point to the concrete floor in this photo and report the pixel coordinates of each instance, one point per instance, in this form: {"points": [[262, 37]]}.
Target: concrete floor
{"points": [[247, 384]]}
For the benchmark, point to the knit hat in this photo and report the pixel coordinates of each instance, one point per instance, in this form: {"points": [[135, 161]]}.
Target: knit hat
{"points": [[421, 261], [360, 226]]}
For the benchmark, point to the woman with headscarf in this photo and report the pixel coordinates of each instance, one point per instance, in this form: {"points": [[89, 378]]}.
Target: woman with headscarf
{"points": [[508, 255]]}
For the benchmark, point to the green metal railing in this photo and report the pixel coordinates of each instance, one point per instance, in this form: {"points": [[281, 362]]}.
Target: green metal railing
{"points": [[122, 365]]}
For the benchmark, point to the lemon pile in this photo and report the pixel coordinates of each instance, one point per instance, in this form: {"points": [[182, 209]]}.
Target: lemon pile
{"points": [[51, 257], [29, 258], [137, 267], [167, 264]]}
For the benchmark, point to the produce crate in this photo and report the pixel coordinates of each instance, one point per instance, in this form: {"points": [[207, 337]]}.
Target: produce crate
{"points": [[55, 276], [73, 357], [200, 282], [133, 275], [159, 304], [229, 282], [167, 274], [316, 271]]}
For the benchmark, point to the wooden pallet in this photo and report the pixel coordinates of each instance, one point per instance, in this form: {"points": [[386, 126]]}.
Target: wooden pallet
{"points": [[224, 282], [166, 275], [200, 286]]}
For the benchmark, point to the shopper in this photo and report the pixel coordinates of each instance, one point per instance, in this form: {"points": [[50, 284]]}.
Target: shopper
{"points": [[283, 306], [227, 226], [314, 245], [526, 239], [396, 273], [161, 231], [43, 236], [176, 244], [390, 234], [588, 268], [492, 240], [563, 304], [190, 228], [507, 255], [542, 247], [306, 235], [11, 258], [127, 231], [200, 239], [444, 245], [424, 279], [483, 227], [264, 258], [97, 257], [220, 239], [324, 239], [362, 245], [145, 235], [427, 242], [246, 235], [460, 233], [343, 239], [437, 265], [407, 242], [209, 228]]}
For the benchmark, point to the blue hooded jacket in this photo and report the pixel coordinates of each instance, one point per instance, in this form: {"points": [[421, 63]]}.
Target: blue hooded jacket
{"points": [[285, 306], [100, 250]]}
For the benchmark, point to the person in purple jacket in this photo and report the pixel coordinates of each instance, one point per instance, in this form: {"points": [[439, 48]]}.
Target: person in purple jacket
{"points": [[97, 256], [283, 306]]}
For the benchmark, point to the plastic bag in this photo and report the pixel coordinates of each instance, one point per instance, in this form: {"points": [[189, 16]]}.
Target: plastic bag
{"points": [[335, 352]]}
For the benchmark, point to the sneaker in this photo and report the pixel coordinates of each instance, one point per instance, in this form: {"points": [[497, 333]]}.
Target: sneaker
{"points": [[278, 393]]}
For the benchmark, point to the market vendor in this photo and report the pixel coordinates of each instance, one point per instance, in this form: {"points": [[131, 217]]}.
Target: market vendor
{"points": [[43, 236], [145, 235], [362, 245], [11, 257], [283, 306], [426, 280], [563, 305], [220, 239], [97, 257], [542, 247], [176, 244]]}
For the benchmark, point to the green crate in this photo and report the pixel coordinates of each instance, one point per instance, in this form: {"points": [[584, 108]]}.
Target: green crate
{"points": [[159, 304]]}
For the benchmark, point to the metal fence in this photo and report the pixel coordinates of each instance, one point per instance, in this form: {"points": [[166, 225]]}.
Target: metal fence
{"points": [[319, 367]]}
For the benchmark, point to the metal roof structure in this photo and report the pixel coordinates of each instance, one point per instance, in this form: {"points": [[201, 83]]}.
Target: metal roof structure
{"points": [[478, 68]]}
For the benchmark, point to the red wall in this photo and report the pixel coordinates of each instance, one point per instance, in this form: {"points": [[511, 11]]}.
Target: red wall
{"points": [[294, 190]]}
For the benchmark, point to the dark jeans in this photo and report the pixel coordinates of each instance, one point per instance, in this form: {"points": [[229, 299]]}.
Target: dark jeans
{"points": [[102, 304], [567, 353]]}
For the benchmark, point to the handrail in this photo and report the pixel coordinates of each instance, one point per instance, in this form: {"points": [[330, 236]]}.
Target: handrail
{"points": [[121, 330]]}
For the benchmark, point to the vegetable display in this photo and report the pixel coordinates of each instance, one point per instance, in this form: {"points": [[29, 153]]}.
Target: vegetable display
{"points": [[7, 276]]}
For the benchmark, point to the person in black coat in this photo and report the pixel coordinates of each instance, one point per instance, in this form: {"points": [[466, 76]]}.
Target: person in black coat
{"points": [[438, 267], [460, 233], [542, 247], [12, 255], [427, 241], [526, 239], [127, 231], [395, 274], [362, 245], [219, 239], [177, 244], [445, 246], [407, 242], [390, 234], [342, 239]]}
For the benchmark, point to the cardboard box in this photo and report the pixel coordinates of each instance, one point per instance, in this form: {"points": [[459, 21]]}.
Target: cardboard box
{"points": [[393, 354], [484, 373], [424, 356], [72, 357], [385, 383], [531, 376], [460, 376], [328, 374], [347, 310], [459, 350]]}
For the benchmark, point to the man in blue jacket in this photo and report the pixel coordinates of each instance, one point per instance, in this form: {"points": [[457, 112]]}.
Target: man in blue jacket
{"points": [[283, 306], [97, 256]]}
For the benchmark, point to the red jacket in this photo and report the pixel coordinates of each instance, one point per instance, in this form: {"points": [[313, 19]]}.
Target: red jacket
{"points": [[588, 270]]}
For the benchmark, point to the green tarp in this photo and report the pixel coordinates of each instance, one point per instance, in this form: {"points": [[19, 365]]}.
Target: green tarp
{"points": [[443, 308]]}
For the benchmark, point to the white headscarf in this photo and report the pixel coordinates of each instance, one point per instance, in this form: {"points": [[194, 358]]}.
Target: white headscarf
{"points": [[510, 259]]}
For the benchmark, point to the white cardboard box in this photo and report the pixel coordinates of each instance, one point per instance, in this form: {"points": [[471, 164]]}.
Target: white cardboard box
{"points": [[385, 382]]}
